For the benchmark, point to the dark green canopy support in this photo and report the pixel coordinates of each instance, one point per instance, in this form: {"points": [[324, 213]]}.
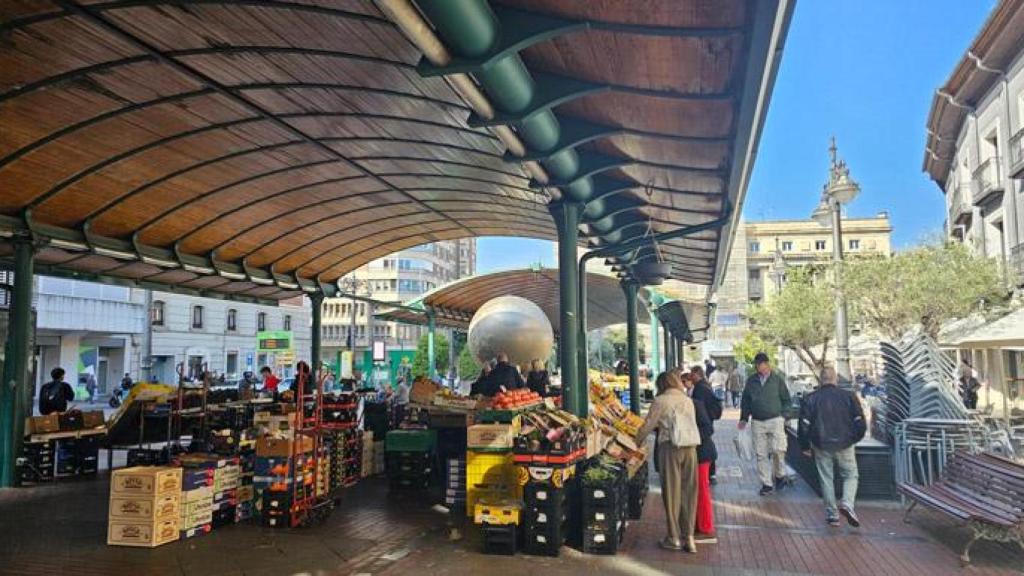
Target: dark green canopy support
{"points": [[16, 389], [632, 349]]}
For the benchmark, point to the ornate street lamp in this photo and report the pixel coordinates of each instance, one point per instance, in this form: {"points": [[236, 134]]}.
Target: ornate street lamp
{"points": [[840, 189]]}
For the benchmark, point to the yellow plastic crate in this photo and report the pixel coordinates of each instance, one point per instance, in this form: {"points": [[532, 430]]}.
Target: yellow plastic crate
{"points": [[501, 512], [489, 468]]}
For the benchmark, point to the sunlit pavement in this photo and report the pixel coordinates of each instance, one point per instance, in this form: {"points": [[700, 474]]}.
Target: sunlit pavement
{"points": [[61, 529]]}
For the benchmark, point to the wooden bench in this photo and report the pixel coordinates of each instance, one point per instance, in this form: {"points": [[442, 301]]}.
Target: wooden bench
{"points": [[982, 491]]}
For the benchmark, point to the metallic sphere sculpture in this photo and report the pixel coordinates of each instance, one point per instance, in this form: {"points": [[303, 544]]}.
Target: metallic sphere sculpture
{"points": [[512, 325]]}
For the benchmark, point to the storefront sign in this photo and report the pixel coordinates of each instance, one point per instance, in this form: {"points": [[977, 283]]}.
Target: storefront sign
{"points": [[274, 341]]}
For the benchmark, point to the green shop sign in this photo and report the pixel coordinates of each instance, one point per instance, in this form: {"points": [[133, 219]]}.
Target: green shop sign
{"points": [[274, 341]]}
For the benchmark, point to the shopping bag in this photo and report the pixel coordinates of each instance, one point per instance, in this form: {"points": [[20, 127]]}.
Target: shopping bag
{"points": [[744, 441]]}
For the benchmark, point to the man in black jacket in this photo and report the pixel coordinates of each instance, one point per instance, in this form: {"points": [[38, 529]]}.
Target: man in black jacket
{"points": [[55, 394], [831, 424], [503, 375]]}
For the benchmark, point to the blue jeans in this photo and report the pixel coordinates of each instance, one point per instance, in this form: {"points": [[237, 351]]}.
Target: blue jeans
{"points": [[846, 461]]}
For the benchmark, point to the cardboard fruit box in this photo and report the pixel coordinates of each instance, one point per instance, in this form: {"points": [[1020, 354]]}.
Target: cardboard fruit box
{"points": [[282, 447], [42, 424], [146, 481], [142, 534], [144, 508]]}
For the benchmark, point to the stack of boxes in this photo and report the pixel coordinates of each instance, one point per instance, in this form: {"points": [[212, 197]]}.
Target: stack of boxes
{"points": [[279, 478], [196, 502], [226, 481], [37, 465], [455, 483], [492, 482], [637, 487], [366, 464], [604, 512], [548, 497], [410, 458], [145, 504], [246, 489]]}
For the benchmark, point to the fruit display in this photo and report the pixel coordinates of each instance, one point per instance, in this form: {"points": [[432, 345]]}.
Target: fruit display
{"points": [[551, 436], [516, 399]]}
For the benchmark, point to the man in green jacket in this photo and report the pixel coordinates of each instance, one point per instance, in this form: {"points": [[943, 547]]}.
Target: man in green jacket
{"points": [[766, 400]]}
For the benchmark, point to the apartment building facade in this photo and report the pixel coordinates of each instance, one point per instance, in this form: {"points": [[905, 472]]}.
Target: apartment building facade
{"points": [[975, 145]]}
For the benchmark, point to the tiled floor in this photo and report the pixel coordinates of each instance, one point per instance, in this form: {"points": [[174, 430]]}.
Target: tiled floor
{"points": [[61, 530]]}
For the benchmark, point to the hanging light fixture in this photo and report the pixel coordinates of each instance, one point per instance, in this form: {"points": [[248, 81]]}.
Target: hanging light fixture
{"points": [[652, 272]]}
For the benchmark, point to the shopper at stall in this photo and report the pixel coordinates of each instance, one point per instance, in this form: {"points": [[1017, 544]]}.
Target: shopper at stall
{"points": [[702, 393], [538, 380], [673, 415], [504, 375], [765, 401], [474, 388], [831, 423], [270, 381], [707, 453], [55, 394]]}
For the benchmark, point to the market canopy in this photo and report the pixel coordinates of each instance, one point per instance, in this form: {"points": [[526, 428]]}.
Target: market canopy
{"points": [[262, 149], [1004, 333], [686, 320], [454, 304]]}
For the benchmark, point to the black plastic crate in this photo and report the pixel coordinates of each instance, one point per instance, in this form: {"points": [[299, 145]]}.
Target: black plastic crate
{"points": [[635, 505], [601, 541], [543, 531], [501, 540], [543, 494]]}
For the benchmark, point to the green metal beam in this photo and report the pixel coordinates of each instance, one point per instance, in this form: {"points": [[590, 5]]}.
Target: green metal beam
{"points": [[632, 347], [431, 361], [575, 391], [316, 332], [16, 388], [655, 360]]}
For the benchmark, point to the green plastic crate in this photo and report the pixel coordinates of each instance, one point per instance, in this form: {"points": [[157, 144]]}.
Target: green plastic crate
{"points": [[410, 441]]}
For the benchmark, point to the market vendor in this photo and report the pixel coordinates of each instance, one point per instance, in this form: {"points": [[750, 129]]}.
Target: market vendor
{"points": [[503, 375], [270, 381]]}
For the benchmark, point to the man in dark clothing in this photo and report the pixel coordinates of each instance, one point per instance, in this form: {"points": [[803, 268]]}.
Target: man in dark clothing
{"points": [[703, 393], [504, 375], [55, 394], [766, 401], [831, 424]]}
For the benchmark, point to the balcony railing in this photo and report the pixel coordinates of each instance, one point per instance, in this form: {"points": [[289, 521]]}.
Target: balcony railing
{"points": [[958, 208], [755, 289], [1017, 154], [987, 177]]}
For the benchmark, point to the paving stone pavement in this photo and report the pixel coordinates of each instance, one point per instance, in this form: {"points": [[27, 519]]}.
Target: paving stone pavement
{"points": [[61, 529]]}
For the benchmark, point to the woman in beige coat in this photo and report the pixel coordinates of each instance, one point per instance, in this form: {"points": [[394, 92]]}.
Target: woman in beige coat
{"points": [[677, 458]]}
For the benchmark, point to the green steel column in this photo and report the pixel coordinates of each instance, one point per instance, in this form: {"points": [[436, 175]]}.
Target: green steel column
{"points": [[670, 351], [315, 332], [431, 364], [582, 361], [655, 356], [632, 350], [574, 389], [15, 391]]}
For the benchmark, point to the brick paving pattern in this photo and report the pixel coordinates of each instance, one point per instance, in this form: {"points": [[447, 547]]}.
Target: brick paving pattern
{"points": [[61, 529]]}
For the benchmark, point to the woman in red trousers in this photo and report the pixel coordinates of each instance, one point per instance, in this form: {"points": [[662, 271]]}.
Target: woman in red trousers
{"points": [[706, 453]]}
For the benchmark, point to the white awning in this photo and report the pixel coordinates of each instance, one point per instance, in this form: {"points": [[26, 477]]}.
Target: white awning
{"points": [[1006, 332]]}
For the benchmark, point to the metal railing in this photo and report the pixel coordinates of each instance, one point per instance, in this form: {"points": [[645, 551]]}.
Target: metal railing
{"points": [[1017, 154], [987, 177]]}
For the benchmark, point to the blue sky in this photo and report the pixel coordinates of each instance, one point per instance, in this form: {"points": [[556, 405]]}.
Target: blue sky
{"points": [[865, 71]]}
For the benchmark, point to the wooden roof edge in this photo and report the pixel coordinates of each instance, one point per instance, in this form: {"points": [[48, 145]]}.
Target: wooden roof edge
{"points": [[958, 92]]}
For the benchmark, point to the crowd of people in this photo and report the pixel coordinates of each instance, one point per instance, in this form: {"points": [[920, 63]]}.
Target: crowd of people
{"points": [[830, 423], [502, 374]]}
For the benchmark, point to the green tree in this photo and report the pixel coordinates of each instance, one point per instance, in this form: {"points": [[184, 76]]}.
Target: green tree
{"points": [[801, 317], [927, 286], [468, 366], [420, 363], [749, 346]]}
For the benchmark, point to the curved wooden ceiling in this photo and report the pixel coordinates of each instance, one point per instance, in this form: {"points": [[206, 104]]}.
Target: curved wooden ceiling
{"points": [[257, 147], [456, 303]]}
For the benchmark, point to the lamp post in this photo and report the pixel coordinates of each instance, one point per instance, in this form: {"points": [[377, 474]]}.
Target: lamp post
{"points": [[840, 189]]}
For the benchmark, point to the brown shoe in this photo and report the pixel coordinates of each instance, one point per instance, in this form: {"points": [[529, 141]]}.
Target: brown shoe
{"points": [[670, 544]]}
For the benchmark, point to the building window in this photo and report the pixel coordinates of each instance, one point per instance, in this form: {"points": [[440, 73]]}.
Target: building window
{"points": [[197, 317], [232, 321], [854, 244], [261, 321], [231, 365], [287, 322], [819, 244], [755, 246], [156, 313], [787, 246]]}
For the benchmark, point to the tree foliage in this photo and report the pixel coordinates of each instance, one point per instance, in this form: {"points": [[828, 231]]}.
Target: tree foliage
{"points": [[927, 286], [749, 346], [801, 317], [420, 363], [468, 366]]}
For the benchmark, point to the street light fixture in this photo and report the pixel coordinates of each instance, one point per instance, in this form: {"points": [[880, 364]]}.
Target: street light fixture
{"points": [[840, 189]]}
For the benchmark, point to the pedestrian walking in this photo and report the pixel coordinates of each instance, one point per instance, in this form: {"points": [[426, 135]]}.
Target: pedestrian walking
{"points": [[90, 386], [735, 386], [765, 402], [673, 415], [55, 394], [831, 423]]}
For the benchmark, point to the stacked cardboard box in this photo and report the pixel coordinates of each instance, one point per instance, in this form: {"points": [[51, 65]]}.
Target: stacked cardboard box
{"points": [[366, 469], [196, 502], [145, 504]]}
